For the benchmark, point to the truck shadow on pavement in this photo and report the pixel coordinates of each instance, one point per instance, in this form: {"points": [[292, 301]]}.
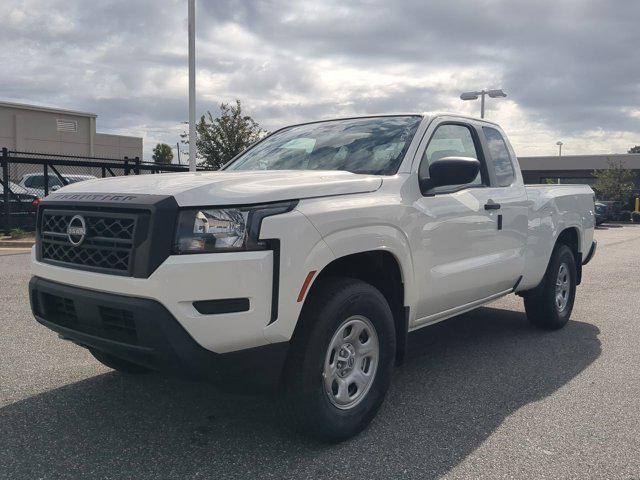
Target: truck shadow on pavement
{"points": [[461, 379]]}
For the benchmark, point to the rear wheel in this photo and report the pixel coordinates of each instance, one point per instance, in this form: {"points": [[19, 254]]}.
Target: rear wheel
{"points": [[341, 360], [117, 363], [550, 304]]}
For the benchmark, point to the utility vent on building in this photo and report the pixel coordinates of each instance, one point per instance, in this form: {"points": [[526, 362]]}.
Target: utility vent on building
{"points": [[67, 125]]}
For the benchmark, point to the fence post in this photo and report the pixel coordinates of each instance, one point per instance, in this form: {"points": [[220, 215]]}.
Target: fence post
{"points": [[104, 172], [5, 190], [137, 163], [126, 165], [46, 179]]}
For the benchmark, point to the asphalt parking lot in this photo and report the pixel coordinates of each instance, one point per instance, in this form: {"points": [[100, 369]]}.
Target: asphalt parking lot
{"points": [[483, 395]]}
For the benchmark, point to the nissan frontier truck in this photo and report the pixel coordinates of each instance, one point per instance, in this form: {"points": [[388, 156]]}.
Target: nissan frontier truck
{"points": [[307, 261]]}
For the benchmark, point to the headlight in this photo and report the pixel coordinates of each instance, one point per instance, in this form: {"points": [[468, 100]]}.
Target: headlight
{"points": [[202, 230]]}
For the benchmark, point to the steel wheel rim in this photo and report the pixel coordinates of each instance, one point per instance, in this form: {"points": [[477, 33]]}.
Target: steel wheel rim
{"points": [[563, 287], [351, 362]]}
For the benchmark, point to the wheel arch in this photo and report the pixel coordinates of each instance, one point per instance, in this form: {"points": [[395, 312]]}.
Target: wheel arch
{"points": [[381, 269], [570, 236]]}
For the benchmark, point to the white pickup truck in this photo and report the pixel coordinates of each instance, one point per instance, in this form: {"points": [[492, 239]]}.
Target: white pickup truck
{"points": [[309, 259]]}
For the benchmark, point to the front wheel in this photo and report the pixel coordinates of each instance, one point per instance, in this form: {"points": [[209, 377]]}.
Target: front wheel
{"points": [[341, 360], [549, 306]]}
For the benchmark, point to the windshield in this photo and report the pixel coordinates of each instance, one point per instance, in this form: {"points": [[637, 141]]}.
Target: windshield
{"points": [[363, 145]]}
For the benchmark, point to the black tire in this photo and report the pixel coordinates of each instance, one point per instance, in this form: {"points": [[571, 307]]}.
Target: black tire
{"points": [[307, 406], [541, 304], [117, 363]]}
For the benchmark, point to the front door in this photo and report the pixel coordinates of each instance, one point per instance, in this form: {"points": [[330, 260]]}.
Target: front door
{"points": [[459, 260]]}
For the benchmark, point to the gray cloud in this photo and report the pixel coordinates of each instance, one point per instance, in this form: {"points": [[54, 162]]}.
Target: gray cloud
{"points": [[569, 62], [571, 66]]}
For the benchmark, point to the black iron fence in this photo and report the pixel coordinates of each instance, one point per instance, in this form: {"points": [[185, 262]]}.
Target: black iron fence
{"points": [[28, 177]]}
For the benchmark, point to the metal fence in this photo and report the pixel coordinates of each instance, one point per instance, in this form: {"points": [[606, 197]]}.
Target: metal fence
{"points": [[32, 176]]}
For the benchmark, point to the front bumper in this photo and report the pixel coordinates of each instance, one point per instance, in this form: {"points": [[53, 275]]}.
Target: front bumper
{"points": [[182, 280], [144, 332]]}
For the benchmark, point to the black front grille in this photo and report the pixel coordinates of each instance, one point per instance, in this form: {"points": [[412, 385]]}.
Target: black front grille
{"points": [[107, 246], [113, 228]]}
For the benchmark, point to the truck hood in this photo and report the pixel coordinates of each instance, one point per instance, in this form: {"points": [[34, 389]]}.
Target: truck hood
{"points": [[232, 188]]}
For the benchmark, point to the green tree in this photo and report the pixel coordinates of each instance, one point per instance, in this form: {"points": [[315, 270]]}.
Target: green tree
{"points": [[221, 138], [635, 149], [616, 182], [162, 153]]}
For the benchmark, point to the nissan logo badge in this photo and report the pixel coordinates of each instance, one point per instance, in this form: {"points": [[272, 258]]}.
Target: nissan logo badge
{"points": [[76, 230]]}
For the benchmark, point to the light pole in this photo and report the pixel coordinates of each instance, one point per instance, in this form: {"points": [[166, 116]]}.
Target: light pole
{"points": [[192, 84], [559, 144], [482, 93]]}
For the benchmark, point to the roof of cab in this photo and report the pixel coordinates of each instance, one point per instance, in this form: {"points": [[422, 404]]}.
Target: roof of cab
{"points": [[457, 115], [429, 115]]}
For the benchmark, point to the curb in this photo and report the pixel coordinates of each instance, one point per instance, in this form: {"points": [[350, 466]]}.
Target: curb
{"points": [[16, 244], [7, 252]]}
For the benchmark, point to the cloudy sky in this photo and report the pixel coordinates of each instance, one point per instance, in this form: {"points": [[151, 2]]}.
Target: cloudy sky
{"points": [[571, 68]]}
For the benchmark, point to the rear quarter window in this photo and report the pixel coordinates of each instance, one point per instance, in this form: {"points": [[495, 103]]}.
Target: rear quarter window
{"points": [[502, 164]]}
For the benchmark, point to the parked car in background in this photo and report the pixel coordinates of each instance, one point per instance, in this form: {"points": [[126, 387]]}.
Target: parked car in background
{"points": [[22, 207], [602, 213], [613, 209], [34, 182], [623, 216]]}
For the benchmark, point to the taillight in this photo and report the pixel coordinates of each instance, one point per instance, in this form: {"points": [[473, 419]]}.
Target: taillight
{"points": [[36, 202]]}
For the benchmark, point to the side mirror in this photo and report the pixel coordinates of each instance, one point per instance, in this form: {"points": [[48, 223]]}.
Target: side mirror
{"points": [[449, 171], [55, 187]]}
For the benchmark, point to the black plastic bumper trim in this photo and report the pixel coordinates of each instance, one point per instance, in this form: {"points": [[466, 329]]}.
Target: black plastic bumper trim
{"points": [[225, 305], [592, 252], [275, 282], [161, 342]]}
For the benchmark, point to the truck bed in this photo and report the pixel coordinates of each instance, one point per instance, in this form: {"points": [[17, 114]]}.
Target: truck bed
{"points": [[552, 209]]}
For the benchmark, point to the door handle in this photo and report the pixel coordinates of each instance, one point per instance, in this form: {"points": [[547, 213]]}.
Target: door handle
{"points": [[492, 206]]}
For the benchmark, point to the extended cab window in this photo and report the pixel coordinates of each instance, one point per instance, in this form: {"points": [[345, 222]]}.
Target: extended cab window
{"points": [[500, 156], [450, 141], [373, 145]]}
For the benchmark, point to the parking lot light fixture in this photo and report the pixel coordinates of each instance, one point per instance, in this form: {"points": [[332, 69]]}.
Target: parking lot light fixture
{"points": [[495, 93]]}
